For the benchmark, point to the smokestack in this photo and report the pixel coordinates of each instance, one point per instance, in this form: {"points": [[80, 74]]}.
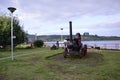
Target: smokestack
{"points": [[70, 24]]}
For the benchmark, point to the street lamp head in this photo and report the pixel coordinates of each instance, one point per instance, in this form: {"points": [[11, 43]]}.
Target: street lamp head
{"points": [[61, 28], [11, 9]]}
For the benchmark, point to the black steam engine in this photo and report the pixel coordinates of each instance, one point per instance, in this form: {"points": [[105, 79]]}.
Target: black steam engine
{"points": [[74, 46]]}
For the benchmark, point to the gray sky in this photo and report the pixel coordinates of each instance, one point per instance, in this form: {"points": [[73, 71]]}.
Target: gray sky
{"points": [[45, 17]]}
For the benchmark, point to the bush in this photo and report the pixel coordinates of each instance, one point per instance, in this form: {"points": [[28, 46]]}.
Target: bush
{"points": [[53, 47], [38, 43], [24, 46]]}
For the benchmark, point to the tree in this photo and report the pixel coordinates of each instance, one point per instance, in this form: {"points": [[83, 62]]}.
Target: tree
{"points": [[5, 31], [38, 43]]}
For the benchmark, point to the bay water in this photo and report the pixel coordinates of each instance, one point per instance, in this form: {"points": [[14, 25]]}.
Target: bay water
{"points": [[108, 44]]}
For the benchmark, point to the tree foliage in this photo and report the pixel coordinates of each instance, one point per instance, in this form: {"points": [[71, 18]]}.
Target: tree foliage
{"points": [[5, 31], [38, 43]]}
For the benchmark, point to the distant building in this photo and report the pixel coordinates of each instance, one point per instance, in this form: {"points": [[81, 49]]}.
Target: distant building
{"points": [[86, 34]]}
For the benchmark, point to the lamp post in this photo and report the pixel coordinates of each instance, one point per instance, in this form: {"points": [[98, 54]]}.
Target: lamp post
{"points": [[61, 33], [35, 36], [12, 9]]}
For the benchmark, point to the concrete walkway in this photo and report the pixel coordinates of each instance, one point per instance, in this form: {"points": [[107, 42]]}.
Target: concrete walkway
{"points": [[21, 55]]}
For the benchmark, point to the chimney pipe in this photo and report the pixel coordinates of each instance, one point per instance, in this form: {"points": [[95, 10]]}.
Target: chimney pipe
{"points": [[70, 24]]}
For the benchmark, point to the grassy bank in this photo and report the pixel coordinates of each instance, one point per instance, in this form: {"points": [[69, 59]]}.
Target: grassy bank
{"points": [[38, 67]]}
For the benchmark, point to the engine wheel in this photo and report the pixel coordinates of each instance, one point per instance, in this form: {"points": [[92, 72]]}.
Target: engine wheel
{"points": [[65, 53], [85, 50]]}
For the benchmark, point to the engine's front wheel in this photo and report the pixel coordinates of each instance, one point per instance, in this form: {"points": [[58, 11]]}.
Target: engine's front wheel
{"points": [[85, 50], [65, 54]]}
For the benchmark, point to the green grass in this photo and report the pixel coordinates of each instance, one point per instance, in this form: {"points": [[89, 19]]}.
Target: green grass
{"points": [[38, 67]]}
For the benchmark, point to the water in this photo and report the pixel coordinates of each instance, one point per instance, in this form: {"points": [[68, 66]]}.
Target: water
{"points": [[114, 44], [104, 44]]}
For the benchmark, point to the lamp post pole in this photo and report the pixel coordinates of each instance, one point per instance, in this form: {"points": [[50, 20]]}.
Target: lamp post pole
{"points": [[35, 36], [12, 9]]}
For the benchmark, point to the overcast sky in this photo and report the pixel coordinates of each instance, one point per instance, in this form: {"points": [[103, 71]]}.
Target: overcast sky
{"points": [[46, 17]]}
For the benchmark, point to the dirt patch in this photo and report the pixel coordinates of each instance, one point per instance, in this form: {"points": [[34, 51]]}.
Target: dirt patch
{"points": [[2, 77], [35, 59], [65, 70], [56, 67], [91, 59]]}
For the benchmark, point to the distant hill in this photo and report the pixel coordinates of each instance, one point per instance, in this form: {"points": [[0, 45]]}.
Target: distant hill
{"points": [[31, 38], [84, 38], [52, 37], [97, 38]]}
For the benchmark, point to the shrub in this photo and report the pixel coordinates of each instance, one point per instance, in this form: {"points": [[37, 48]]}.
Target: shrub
{"points": [[38, 43], [24, 46], [53, 47]]}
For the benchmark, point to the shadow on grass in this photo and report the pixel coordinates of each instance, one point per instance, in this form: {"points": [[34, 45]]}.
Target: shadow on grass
{"points": [[91, 59]]}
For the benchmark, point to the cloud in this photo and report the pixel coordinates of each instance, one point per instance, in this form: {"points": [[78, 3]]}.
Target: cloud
{"points": [[100, 29], [54, 10], [53, 14]]}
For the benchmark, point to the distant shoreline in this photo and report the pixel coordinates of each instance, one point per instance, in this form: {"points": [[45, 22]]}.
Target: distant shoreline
{"points": [[84, 38]]}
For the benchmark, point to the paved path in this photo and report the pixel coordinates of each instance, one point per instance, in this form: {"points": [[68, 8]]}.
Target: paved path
{"points": [[21, 55]]}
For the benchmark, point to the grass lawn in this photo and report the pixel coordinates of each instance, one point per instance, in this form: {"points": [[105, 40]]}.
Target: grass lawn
{"points": [[38, 67]]}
